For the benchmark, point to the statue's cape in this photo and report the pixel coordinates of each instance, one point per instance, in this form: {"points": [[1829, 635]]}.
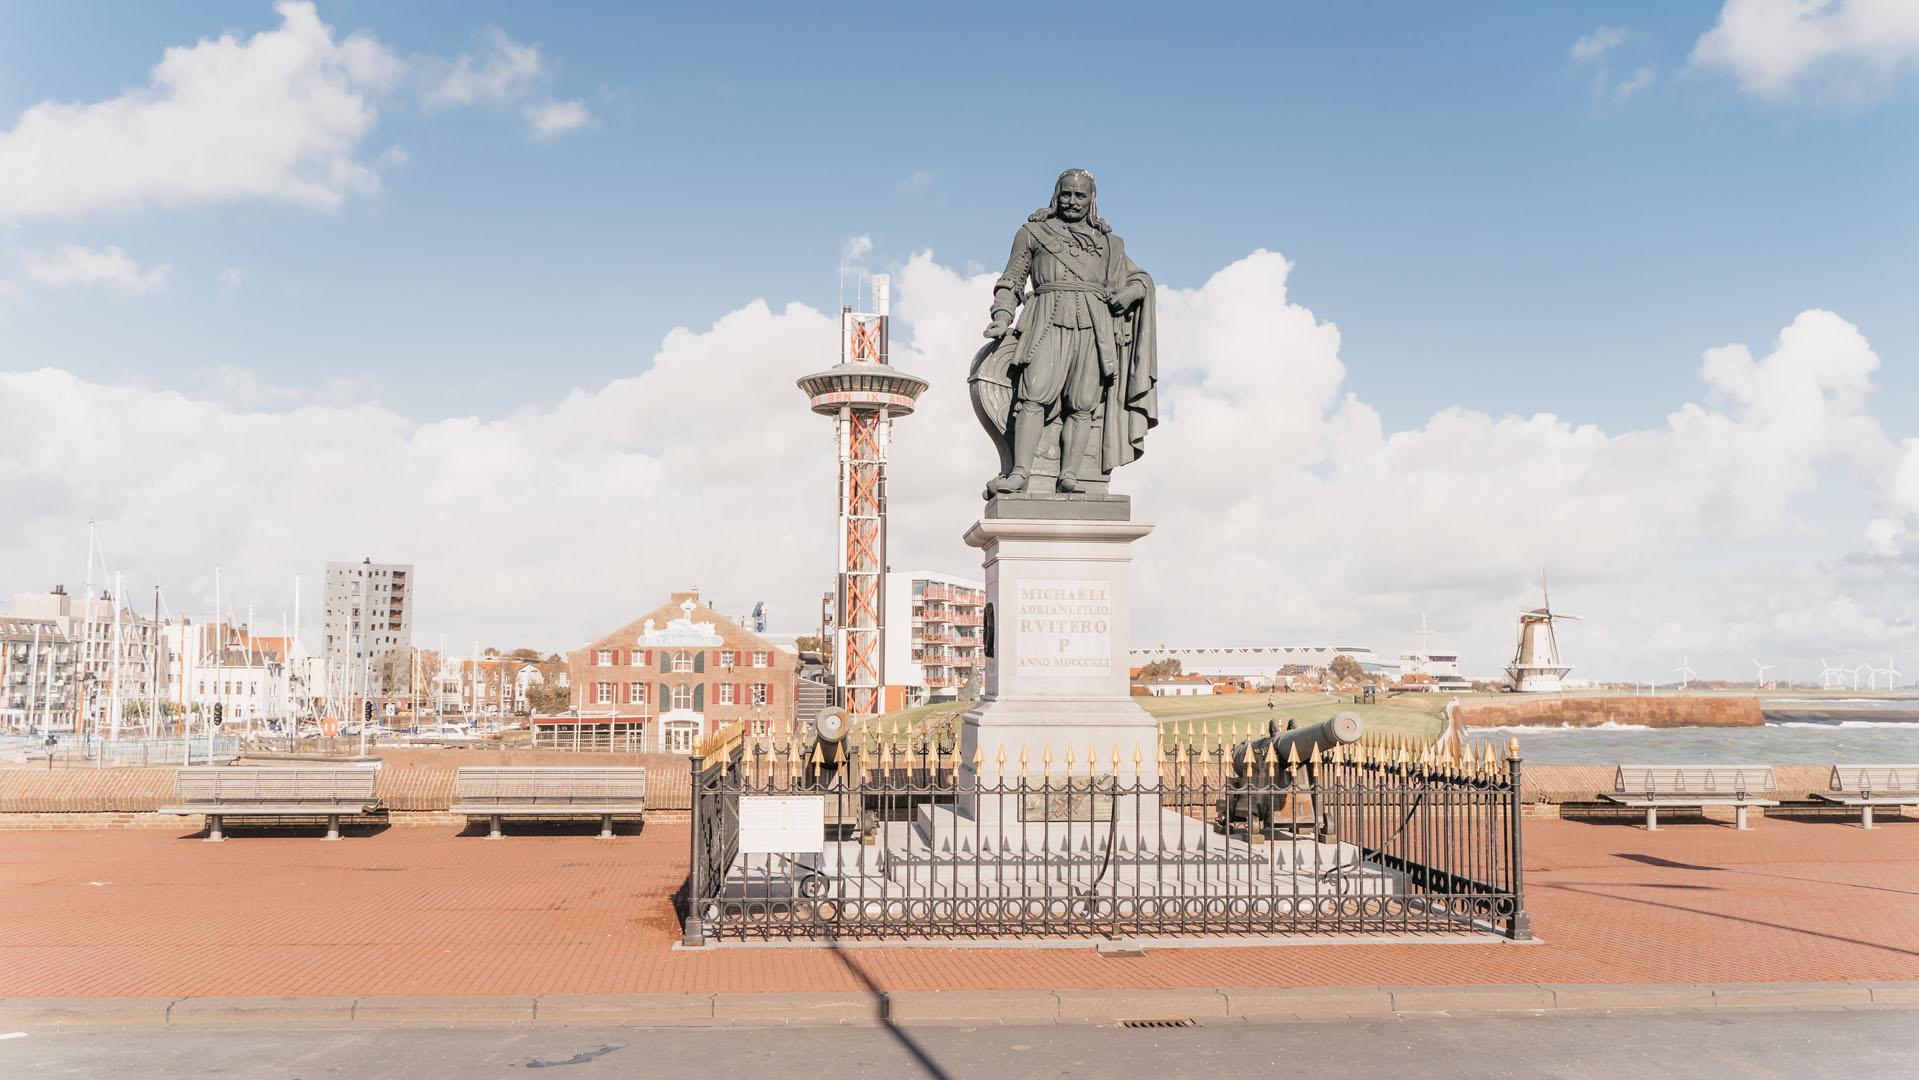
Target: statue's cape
{"points": [[1132, 398]]}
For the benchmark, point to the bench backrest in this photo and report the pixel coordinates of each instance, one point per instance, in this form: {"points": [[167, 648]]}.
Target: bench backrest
{"points": [[1694, 780], [266, 784], [1889, 779], [549, 783]]}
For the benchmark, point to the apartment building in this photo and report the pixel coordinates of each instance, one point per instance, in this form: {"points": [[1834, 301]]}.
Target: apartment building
{"points": [[118, 654], [367, 626], [935, 650], [36, 675]]}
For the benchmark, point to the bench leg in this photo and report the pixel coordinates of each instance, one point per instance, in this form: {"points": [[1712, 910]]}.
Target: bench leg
{"points": [[606, 826], [493, 830], [1865, 816], [1652, 819], [333, 826], [1739, 819], [213, 829]]}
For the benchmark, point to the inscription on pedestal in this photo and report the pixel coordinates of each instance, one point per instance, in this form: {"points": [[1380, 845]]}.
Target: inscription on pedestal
{"points": [[1064, 627]]}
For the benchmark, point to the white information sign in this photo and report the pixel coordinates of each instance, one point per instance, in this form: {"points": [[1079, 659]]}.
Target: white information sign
{"points": [[781, 824], [1064, 627]]}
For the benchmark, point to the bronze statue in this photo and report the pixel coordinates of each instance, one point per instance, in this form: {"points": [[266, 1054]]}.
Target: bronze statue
{"points": [[1069, 392]]}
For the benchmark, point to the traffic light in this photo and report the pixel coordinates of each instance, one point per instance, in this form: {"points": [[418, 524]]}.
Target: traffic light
{"points": [[367, 711], [219, 714]]}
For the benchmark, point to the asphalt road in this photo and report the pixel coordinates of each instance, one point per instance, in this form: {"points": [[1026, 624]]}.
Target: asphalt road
{"points": [[1800, 1044]]}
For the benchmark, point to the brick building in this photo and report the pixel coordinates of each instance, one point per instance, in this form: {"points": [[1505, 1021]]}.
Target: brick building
{"points": [[670, 678]]}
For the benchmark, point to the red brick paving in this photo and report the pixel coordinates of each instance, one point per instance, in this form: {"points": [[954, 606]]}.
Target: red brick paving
{"points": [[426, 911]]}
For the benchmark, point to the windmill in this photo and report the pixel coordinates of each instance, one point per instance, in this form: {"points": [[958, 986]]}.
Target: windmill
{"points": [[1760, 680], [1537, 667], [1892, 674], [1867, 668], [1684, 671]]}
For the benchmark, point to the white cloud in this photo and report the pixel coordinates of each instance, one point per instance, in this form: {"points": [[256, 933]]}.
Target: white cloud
{"points": [[552, 119], [1595, 44], [1286, 509], [507, 73], [917, 180], [1641, 77], [279, 116], [1781, 50], [109, 268], [233, 277], [1591, 53], [282, 116]]}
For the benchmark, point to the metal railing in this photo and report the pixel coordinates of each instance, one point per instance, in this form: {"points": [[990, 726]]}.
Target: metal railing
{"points": [[1368, 839]]}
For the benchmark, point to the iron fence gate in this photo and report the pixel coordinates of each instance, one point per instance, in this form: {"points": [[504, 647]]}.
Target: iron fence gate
{"points": [[1373, 838]]}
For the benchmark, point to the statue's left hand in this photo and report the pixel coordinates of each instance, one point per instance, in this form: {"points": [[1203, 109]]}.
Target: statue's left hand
{"points": [[1126, 297]]}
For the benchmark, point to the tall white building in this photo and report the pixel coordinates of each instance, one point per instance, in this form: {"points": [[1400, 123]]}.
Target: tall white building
{"points": [[36, 675], [935, 648], [367, 622]]}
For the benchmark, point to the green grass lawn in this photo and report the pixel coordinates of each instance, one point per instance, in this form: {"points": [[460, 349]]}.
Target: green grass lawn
{"points": [[1222, 718]]}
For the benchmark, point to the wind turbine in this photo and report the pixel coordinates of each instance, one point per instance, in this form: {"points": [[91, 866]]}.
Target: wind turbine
{"points": [[1760, 681], [1830, 678], [1855, 674], [1892, 674], [1685, 673]]}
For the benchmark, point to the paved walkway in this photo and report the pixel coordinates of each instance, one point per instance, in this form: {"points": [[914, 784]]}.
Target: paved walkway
{"points": [[423, 911]]}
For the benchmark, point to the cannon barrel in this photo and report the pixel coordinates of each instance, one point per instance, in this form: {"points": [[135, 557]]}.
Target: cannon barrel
{"points": [[1309, 741]]}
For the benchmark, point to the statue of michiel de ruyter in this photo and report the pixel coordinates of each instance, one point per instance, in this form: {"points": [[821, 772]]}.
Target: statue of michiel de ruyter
{"points": [[1068, 392]]}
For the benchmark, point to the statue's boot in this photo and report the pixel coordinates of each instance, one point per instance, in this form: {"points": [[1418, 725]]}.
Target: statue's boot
{"points": [[1078, 430], [1012, 483]]}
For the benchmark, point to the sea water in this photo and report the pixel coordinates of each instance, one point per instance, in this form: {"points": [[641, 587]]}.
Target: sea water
{"points": [[1797, 731]]}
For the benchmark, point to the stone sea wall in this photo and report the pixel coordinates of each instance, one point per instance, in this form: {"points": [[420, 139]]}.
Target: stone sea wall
{"points": [[1689, 711]]}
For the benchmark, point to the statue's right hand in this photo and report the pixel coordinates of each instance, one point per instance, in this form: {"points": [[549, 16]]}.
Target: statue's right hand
{"points": [[997, 330]]}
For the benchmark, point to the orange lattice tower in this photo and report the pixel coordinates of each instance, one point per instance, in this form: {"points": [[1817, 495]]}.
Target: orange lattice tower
{"points": [[863, 394]]}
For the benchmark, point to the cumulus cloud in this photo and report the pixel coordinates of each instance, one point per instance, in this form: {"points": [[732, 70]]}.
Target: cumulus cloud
{"points": [[508, 73], [1286, 509], [282, 116], [107, 268], [1591, 52], [1595, 44], [552, 119], [279, 116], [1782, 50]]}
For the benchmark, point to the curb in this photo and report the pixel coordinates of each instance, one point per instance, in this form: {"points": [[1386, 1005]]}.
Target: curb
{"points": [[912, 1006]]}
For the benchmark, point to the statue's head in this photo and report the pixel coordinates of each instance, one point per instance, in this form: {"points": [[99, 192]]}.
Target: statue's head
{"points": [[1075, 199]]}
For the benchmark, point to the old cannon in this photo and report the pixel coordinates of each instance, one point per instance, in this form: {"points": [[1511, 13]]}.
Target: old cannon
{"points": [[1263, 773]]}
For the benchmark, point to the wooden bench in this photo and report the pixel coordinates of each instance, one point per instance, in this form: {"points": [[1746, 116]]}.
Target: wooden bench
{"points": [[1867, 786], [1652, 787], [495, 792], [224, 791]]}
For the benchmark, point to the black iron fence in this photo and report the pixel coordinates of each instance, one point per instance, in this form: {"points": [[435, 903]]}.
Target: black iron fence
{"points": [[906, 841]]}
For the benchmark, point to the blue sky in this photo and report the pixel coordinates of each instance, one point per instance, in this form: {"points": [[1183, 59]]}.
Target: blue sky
{"points": [[1494, 216], [1480, 226]]}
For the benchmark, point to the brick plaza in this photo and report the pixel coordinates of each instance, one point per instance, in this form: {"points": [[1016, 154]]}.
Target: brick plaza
{"points": [[431, 910]]}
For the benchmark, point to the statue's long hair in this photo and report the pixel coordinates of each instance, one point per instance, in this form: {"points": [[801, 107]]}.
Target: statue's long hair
{"points": [[1092, 211]]}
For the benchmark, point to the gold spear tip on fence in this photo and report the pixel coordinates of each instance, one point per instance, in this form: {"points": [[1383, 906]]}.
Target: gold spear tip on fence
{"points": [[1292, 753], [1512, 748], [1138, 756], [1069, 756], [979, 756], [1116, 755], [1092, 757], [999, 757]]}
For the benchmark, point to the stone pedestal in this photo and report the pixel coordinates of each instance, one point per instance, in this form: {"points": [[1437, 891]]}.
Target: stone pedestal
{"points": [[1058, 591]]}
